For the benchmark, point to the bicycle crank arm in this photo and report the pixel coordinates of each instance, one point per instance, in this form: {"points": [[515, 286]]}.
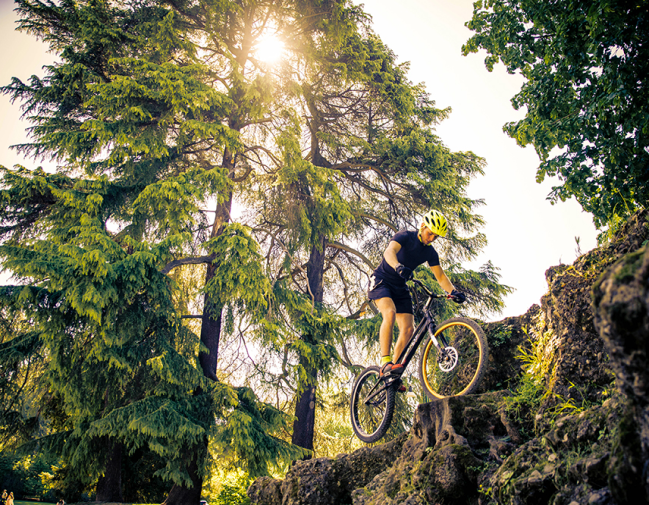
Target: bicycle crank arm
{"points": [[374, 394], [387, 383]]}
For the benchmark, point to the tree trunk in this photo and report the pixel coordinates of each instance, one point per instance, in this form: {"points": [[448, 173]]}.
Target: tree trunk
{"points": [[304, 425], [210, 331], [210, 337], [109, 486], [181, 495], [211, 327]]}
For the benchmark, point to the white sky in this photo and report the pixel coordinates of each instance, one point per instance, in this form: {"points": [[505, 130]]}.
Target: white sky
{"points": [[526, 234]]}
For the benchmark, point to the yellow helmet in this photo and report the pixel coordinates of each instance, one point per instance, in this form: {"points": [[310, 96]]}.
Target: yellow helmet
{"points": [[436, 222]]}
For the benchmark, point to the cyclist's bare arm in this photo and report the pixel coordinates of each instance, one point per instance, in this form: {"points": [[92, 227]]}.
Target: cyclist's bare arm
{"points": [[446, 284], [390, 254]]}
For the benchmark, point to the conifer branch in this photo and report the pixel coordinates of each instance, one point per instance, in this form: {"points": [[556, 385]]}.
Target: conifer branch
{"points": [[342, 279], [22, 387], [367, 305], [346, 359], [372, 189], [379, 220], [243, 177], [267, 151], [245, 346], [338, 245], [352, 167], [257, 122], [197, 260]]}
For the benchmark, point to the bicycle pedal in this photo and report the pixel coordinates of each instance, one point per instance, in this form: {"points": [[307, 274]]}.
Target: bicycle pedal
{"points": [[397, 382]]}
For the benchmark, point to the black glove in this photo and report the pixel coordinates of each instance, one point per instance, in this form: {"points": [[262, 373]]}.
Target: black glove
{"points": [[404, 272], [457, 296]]}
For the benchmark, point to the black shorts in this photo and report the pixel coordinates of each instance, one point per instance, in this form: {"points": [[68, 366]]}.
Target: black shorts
{"points": [[400, 295]]}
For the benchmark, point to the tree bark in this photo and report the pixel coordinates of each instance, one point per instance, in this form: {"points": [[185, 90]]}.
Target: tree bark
{"points": [[304, 424], [109, 486], [210, 331], [211, 327]]}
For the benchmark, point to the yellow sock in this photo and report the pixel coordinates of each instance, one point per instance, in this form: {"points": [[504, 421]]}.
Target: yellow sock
{"points": [[385, 359]]}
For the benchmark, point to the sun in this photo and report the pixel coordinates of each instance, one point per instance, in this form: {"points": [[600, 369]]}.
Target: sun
{"points": [[269, 49]]}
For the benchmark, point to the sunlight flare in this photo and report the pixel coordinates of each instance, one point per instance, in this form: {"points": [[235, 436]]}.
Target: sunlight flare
{"points": [[269, 49]]}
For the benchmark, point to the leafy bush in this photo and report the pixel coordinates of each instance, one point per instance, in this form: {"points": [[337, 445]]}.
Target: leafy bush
{"points": [[233, 494], [26, 475]]}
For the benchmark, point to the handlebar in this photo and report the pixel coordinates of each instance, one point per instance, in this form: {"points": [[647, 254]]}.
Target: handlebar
{"points": [[429, 293]]}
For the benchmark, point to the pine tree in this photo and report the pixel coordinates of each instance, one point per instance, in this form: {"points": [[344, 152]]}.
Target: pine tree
{"points": [[372, 165], [145, 140]]}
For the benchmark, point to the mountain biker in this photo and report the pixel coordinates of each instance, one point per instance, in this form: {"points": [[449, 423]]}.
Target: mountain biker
{"points": [[405, 252]]}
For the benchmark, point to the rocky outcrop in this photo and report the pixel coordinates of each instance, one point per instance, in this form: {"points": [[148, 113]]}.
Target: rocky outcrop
{"points": [[445, 452], [505, 339], [621, 301], [577, 360], [566, 465], [439, 461], [566, 434], [324, 481]]}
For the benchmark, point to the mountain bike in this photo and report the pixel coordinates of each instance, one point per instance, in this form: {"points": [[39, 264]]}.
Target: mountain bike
{"points": [[452, 363]]}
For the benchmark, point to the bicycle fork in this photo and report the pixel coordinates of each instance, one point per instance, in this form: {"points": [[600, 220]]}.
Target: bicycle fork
{"points": [[442, 345]]}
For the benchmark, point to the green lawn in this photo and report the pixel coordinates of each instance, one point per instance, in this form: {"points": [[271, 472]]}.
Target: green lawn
{"points": [[22, 502]]}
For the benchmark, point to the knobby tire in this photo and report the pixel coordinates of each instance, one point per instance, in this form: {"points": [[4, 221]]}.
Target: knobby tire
{"points": [[371, 420], [470, 342]]}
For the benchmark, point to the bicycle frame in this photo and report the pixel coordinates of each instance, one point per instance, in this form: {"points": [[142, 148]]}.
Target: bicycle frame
{"points": [[426, 325], [452, 363]]}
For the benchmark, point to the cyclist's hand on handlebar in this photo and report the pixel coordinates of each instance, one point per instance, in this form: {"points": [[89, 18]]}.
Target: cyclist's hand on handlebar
{"points": [[404, 272], [457, 296]]}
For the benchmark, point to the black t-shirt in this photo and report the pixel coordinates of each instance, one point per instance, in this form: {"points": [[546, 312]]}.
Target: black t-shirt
{"points": [[412, 254]]}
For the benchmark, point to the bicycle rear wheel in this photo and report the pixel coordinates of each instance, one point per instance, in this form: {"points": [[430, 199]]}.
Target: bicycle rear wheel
{"points": [[371, 405], [459, 368]]}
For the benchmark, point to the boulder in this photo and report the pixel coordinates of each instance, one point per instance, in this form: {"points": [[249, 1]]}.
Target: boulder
{"points": [[323, 481], [445, 453]]}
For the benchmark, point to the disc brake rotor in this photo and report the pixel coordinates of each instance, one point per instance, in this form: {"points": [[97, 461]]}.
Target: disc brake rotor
{"points": [[448, 359]]}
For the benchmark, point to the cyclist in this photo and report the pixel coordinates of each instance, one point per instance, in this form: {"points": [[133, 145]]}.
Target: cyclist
{"points": [[405, 252]]}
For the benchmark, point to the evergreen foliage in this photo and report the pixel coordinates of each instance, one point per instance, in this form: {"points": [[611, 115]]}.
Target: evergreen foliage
{"points": [[21, 379], [132, 116]]}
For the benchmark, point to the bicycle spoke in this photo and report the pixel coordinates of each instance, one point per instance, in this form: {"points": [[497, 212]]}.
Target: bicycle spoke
{"points": [[456, 368]]}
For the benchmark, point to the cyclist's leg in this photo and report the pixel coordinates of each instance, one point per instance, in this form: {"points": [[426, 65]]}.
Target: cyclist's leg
{"points": [[388, 313], [406, 323]]}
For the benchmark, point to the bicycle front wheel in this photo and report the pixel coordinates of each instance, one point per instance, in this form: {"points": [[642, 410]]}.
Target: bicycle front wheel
{"points": [[372, 405], [457, 367]]}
